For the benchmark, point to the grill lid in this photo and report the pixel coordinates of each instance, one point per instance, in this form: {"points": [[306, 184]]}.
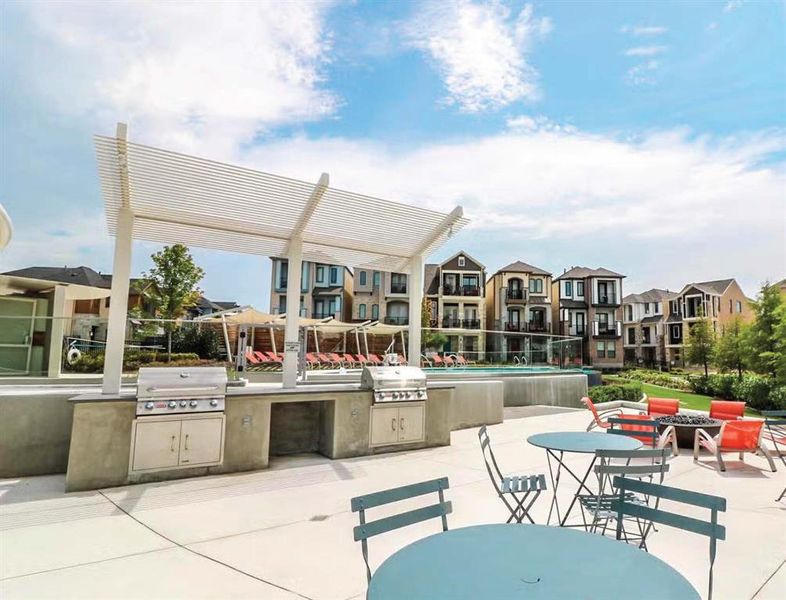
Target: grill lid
{"points": [[181, 382], [395, 377]]}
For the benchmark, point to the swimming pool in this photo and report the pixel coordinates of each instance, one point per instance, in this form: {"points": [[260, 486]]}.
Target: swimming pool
{"points": [[511, 369]]}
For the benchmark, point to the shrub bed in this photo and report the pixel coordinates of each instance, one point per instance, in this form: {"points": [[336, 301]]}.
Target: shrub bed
{"points": [[669, 380], [628, 392], [760, 393], [93, 362]]}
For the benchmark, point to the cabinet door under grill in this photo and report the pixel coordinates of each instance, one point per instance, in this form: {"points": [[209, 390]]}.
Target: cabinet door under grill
{"points": [[156, 445], [201, 441], [384, 425], [411, 423]]}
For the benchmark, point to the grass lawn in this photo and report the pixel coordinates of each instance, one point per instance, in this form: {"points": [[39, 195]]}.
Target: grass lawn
{"points": [[687, 399]]}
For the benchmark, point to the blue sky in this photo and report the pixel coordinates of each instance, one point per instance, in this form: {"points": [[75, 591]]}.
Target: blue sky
{"points": [[646, 137]]}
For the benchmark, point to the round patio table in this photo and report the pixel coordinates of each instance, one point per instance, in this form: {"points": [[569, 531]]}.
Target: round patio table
{"points": [[531, 562], [556, 443]]}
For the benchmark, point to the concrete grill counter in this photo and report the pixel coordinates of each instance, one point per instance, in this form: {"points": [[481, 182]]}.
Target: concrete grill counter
{"points": [[260, 420]]}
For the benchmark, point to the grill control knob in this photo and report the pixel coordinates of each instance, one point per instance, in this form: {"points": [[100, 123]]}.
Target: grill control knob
{"points": [[149, 405], [214, 402], [183, 403], [193, 404], [172, 404]]}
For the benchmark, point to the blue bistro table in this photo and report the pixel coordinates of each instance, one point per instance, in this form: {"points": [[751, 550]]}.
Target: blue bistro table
{"points": [[558, 443], [530, 562]]}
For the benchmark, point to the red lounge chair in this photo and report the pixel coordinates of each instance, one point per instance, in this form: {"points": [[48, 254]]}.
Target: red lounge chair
{"points": [[662, 407], [461, 360], [337, 358], [734, 436], [402, 360], [597, 418], [312, 360], [326, 360], [726, 410], [438, 362], [375, 359], [349, 359], [251, 358], [362, 360], [448, 361], [274, 357]]}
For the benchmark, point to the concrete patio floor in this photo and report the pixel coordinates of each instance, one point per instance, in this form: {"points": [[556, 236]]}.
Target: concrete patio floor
{"points": [[287, 532]]}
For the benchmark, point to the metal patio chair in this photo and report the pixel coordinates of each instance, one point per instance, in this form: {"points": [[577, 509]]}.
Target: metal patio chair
{"points": [[775, 421], [365, 529], [654, 466], [734, 436], [710, 528], [518, 488]]}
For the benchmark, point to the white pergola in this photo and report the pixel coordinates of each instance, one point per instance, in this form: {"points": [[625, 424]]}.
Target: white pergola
{"points": [[166, 197]]}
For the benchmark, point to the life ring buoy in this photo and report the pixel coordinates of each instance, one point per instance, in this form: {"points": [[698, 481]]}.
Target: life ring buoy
{"points": [[73, 355]]}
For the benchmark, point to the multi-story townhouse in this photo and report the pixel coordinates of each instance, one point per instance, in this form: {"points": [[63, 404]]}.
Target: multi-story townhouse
{"points": [[455, 291], [381, 296], [325, 290], [518, 300], [644, 318], [586, 303], [719, 301]]}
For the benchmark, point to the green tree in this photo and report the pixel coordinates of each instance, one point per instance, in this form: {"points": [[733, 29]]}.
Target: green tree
{"points": [[172, 286], [766, 343], [731, 351], [429, 337], [700, 343]]}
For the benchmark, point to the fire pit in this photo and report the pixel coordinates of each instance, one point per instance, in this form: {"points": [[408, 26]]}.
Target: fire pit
{"points": [[685, 427]]}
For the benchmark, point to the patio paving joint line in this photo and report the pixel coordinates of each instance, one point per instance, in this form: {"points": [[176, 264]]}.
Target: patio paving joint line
{"points": [[766, 581]]}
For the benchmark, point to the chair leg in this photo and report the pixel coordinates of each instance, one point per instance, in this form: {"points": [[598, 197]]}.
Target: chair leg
{"points": [[783, 493], [767, 455], [721, 464]]}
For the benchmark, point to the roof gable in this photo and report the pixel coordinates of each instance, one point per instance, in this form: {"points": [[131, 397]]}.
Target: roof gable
{"points": [[584, 272], [522, 267]]}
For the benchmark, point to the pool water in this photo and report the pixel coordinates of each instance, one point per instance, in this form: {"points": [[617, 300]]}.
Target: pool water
{"points": [[510, 369]]}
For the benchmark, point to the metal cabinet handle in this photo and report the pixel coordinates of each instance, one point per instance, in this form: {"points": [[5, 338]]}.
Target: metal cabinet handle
{"points": [[393, 424], [172, 446], [401, 423], [186, 447]]}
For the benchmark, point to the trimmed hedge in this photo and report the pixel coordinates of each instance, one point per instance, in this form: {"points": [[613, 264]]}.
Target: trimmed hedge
{"points": [[628, 392], [760, 393], [669, 380], [93, 362]]}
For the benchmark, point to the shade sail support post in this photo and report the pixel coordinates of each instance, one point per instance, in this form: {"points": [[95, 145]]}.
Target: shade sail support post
{"points": [[415, 307], [291, 338], [121, 274]]}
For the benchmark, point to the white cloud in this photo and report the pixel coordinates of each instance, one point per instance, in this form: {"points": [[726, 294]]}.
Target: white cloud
{"points": [[526, 123], [641, 30], [188, 75], [645, 50], [480, 51], [733, 5], [644, 73]]}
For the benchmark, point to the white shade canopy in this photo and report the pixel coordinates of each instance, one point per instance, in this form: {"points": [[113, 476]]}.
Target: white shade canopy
{"points": [[203, 203]]}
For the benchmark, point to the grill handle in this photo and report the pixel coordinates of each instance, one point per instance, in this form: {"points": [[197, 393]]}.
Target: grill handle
{"points": [[182, 390]]}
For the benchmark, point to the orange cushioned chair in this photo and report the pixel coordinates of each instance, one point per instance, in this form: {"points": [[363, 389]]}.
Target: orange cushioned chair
{"points": [[734, 436], [597, 418], [726, 410], [662, 407]]}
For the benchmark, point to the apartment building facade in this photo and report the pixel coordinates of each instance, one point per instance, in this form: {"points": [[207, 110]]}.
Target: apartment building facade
{"points": [[455, 291], [586, 303], [644, 323], [721, 301], [380, 296], [518, 301], [325, 290]]}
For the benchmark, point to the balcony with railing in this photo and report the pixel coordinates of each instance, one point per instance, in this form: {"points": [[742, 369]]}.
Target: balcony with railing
{"points": [[515, 295], [607, 299], [457, 323], [398, 288], [461, 290], [612, 329], [537, 327], [396, 320]]}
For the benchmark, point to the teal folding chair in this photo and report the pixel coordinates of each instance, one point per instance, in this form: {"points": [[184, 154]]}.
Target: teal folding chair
{"points": [[369, 529], [640, 464], [775, 422], [522, 490], [710, 529]]}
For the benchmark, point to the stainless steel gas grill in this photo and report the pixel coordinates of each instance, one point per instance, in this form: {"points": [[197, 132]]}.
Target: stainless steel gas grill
{"points": [[180, 420], [395, 383], [173, 390]]}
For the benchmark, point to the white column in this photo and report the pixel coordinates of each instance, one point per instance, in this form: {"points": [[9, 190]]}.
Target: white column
{"points": [[415, 308], [56, 335], [118, 303], [295, 269]]}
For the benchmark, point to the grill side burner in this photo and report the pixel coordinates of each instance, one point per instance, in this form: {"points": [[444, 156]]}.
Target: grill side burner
{"points": [[177, 390], [395, 383]]}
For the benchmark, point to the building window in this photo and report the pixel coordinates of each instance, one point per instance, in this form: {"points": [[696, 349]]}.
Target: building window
{"points": [[658, 308], [631, 336], [361, 311], [320, 274], [611, 350], [739, 306], [398, 283], [376, 278], [375, 311], [536, 286], [283, 269], [333, 275], [362, 277], [462, 262], [568, 289], [580, 288], [106, 304], [601, 348], [629, 312], [646, 308]]}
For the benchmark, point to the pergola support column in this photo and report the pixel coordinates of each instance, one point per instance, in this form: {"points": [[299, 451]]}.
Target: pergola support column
{"points": [[57, 330], [291, 341], [415, 308]]}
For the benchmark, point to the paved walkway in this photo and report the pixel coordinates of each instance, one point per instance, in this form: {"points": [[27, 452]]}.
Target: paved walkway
{"points": [[287, 532]]}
